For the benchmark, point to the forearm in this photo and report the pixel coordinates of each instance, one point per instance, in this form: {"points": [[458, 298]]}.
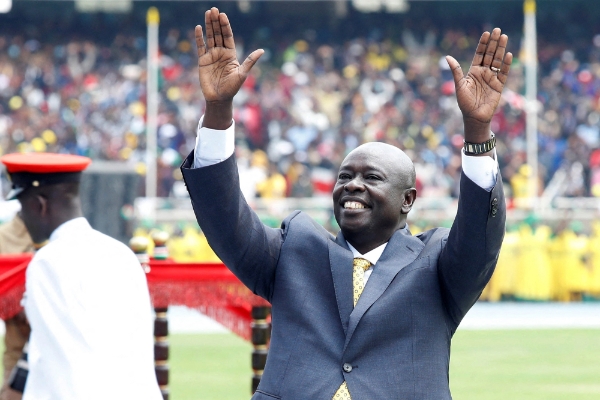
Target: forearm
{"points": [[234, 231], [468, 259]]}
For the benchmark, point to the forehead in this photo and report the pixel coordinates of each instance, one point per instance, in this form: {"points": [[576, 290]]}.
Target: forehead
{"points": [[372, 160]]}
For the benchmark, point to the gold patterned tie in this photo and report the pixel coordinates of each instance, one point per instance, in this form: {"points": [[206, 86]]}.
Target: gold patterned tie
{"points": [[358, 277], [358, 283]]}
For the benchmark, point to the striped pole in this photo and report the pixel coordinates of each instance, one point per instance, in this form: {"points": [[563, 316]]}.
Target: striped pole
{"points": [[161, 350], [161, 323], [261, 334]]}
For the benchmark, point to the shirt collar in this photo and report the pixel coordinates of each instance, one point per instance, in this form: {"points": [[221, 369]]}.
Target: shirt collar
{"points": [[73, 224], [371, 256]]}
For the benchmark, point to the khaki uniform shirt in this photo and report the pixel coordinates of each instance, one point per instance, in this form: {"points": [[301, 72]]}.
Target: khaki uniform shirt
{"points": [[14, 238]]}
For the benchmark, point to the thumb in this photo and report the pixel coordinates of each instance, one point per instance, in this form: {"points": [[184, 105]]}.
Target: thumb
{"points": [[250, 61], [457, 72]]}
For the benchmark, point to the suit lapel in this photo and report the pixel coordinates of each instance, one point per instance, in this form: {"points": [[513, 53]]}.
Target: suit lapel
{"points": [[340, 260], [401, 250]]}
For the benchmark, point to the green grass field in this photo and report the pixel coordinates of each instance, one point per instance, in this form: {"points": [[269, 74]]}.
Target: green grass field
{"points": [[486, 365], [526, 365]]}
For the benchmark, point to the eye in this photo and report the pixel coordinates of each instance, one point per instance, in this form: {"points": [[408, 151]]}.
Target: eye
{"points": [[343, 176], [373, 177]]}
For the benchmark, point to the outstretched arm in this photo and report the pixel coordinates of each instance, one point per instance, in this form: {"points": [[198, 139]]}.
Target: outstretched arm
{"points": [[234, 231], [469, 256], [220, 73]]}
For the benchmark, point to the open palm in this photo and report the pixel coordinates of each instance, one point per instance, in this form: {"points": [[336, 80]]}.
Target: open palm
{"points": [[478, 92], [220, 73]]}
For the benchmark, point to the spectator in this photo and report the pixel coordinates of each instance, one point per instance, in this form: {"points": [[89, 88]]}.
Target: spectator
{"points": [[309, 104]]}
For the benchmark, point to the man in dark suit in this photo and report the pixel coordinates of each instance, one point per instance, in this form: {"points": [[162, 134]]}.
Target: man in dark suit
{"points": [[368, 314]]}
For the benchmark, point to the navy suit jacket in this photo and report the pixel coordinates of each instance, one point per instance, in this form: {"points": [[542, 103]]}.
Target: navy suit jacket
{"points": [[397, 338]]}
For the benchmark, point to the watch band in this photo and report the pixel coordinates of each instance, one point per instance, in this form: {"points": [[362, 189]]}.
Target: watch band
{"points": [[473, 149]]}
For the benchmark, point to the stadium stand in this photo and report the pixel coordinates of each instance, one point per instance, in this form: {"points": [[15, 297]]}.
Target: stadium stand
{"points": [[83, 91]]}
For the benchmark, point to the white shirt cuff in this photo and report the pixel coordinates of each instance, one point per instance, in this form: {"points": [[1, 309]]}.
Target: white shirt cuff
{"points": [[213, 146], [481, 170]]}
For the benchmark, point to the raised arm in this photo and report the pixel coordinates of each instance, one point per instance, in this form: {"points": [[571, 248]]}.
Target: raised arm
{"points": [[469, 256], [234, 231], [220, 73]]}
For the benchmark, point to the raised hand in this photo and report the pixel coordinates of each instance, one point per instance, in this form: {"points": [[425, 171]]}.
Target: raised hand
{"points": [[478, 92], [221, 75]]}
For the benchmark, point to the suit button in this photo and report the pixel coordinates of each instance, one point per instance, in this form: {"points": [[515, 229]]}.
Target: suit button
{"points": [[494, 210], [347, 367]]}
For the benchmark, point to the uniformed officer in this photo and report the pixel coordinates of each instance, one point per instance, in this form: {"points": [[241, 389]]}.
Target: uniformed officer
{"points": [[14, 239], [86, 297]]}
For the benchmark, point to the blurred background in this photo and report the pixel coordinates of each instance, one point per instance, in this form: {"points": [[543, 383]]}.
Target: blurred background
{"points": [[74, 78]]}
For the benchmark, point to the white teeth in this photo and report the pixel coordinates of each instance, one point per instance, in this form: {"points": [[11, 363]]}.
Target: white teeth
{"points": [[353, 204]]}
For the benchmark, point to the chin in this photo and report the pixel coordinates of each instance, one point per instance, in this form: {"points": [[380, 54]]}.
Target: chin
{"points": [[352, 229]]}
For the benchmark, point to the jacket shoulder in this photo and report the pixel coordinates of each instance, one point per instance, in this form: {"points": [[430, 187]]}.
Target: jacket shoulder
{"points": [[433, 238], [302, 221]]}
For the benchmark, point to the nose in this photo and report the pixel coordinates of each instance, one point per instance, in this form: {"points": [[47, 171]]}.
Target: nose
{"points": [[355, 185]]}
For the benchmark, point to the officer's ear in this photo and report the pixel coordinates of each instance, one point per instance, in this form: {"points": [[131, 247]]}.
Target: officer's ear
{"points": [[42, 203]]}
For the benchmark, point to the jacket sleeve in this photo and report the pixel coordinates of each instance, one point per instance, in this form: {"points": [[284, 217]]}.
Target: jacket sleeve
{"points": [[469, 256], [246, 246]]}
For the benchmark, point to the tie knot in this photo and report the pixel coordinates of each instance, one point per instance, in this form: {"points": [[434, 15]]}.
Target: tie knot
{"points": [[362, 263]]}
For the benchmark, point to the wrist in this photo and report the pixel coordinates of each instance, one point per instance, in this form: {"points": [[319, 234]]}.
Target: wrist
{"points": [[479, 149], [218, 114], [477, 131]]}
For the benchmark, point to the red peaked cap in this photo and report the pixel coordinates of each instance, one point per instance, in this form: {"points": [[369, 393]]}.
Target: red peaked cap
{"points": [[44, 163], [40, 169]]}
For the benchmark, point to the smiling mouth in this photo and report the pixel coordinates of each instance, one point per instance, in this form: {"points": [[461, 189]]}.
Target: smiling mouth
{"points": [[353, 205]]}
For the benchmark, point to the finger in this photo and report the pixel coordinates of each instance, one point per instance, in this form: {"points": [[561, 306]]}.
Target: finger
{"points": [[499, 54], [200, 41], [480, 51], [226, 31], [457, 72], [250, 61], [216, 25], [210, 36], [491, 48], [503, 74]]}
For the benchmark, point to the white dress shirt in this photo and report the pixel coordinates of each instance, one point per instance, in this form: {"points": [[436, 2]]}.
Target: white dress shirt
{"points": [[214, 146], [91, 321]]}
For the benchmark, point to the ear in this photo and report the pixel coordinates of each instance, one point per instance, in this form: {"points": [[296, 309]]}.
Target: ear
{"points": [[410, 195], [43, 205]]}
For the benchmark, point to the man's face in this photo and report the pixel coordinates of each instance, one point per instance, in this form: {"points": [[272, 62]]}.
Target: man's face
{"points": [[369, 195]]}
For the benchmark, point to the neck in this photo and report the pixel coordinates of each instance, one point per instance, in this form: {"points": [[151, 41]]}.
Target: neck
{"points": [[367, 241], [38, 246], [364, 248], [58, 220]]}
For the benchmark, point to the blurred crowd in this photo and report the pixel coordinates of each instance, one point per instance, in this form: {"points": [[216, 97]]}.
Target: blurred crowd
{"points": [[306, 105]]}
